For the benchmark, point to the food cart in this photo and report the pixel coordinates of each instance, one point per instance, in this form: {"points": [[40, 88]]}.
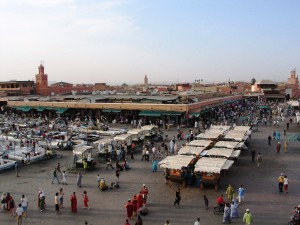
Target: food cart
{"points": [[82, 153], [152, 132], [226, 153], [138, 136], [211, 170], [106, 147], [175, 164]]}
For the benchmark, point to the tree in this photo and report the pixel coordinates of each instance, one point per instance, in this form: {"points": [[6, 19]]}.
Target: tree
{"points": [[253, 81]]}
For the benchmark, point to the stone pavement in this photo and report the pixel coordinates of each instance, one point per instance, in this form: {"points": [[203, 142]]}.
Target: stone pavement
{"points": [[108, 208]]}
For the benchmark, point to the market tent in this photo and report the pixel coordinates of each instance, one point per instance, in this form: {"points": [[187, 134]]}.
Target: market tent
{"points": [[236, 136], [191, 114], [200, 143], [190, 150], [230, 144], [82, 149], [176, 161], [150, 113], [212, 165], [40, 109], [125, 137], [220, 127], [209, 136], [223, 152]]}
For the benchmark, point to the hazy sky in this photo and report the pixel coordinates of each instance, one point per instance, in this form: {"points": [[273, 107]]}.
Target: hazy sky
{"points": [[116, 41]]}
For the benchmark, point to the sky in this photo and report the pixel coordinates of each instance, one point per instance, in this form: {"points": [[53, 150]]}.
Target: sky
{"points": [[172, 41]]}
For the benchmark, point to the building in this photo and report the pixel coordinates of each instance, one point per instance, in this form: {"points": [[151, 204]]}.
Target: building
{"points": [[146, 80], [267, 89], [41, 80], [13, 87], [292, 86], [100, 87]]}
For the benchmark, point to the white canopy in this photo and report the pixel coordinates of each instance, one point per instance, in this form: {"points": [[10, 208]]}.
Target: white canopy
{"points": [[125, 137], [213, 165], [190, 150], [230, 144], [175, 161], [149, 127], [104, 142], [200, 143], [80, 150], [237, 136], [223, 152], [209, 136]]}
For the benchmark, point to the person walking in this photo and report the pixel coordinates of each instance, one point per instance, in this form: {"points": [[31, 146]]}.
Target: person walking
{"points": [[55, 177], [280, 182], [285, 146], [85, 200], [24, 204], [285, 184], [259, 159], [229, 192], [247, 218], [177, 197], [205, 202], [197, 222], [253, 153], [109, 164], [226, 215], [64, 178], [17, 169], [129, 209], [139, 220], [42, 198], [56, 203], [269, 140], [19, 212], [73, 200], [61, 198], [241, 192], [167, 222], [79, 179], [154, 165], [278, 147]]}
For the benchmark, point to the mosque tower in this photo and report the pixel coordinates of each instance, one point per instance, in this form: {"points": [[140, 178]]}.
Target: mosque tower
{"points": [[41, 80]]}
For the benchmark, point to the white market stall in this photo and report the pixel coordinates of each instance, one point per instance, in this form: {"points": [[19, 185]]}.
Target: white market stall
{"points": [[212, 169], [201, 143], [230, 144], [222, 153], [190, 150], [175, 163]]}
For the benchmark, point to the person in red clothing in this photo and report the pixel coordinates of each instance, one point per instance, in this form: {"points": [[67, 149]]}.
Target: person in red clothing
{"points": [[85, 200], [140, 200], [220, 201], [145, 193], [129, 207], [127, 222], [134, 203], [73, 200]]}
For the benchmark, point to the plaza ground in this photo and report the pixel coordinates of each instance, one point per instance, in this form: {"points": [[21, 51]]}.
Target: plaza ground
{"points": [[267, 205]]}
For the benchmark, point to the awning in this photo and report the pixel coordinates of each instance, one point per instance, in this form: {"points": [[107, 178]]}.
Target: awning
{"points": [[149, 113], [61, 110], [191, 114], [40, 109], [111, 110], [171, 113], [24, 108]]}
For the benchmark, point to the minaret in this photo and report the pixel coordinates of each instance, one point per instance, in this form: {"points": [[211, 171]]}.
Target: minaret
{"points": [[41, 80], [146, 80]]}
